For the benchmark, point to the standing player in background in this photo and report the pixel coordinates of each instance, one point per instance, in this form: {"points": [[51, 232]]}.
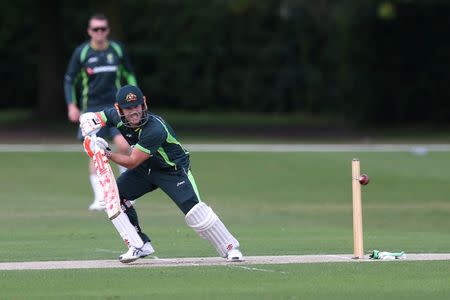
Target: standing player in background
{"points": [[157, 160], [95, 72]]}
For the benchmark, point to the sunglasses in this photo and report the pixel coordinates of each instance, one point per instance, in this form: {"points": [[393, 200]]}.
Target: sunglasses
{"points": [[96, 29]]}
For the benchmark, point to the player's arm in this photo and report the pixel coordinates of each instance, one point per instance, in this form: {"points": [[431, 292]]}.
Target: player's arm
{"points": [[131, 161], [73, 69], [149, 142]]}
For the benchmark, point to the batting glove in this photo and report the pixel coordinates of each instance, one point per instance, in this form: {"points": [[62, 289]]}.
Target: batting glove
{"points": [[90, 123], [92, 145], [102, 144]]}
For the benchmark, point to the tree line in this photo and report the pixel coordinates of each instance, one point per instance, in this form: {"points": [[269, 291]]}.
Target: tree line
{"points": [[383, 61]]}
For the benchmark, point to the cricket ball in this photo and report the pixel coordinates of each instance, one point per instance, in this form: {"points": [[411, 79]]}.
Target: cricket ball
{"points": [[364, 179]]}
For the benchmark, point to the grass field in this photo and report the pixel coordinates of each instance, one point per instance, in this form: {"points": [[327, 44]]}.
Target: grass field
{"points": [[275, 203]]}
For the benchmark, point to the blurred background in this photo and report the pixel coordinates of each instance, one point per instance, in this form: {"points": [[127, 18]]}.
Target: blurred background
{"points": [[322, 63]]}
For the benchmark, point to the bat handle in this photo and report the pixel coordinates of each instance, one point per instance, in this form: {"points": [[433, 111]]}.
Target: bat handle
{"points": [[93, 137]]}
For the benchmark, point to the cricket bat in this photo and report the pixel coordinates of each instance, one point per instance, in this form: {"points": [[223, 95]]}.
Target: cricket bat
{"points": [[107, 182], [111, 196]]}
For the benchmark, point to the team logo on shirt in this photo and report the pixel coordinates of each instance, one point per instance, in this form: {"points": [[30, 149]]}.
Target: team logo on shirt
{"points": [[92, 59], [89, 71], [131, 97], [101, 69], [110, 58]]}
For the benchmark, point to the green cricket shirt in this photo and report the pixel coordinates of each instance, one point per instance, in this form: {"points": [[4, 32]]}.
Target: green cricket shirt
{"points": [[93, 76], [156, 137]]}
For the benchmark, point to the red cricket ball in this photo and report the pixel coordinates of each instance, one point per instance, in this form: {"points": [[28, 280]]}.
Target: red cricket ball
{"points": [[364, 179]]}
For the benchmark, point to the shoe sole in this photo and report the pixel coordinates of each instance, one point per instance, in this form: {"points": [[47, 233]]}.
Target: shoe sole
{"points": [[126, 261], [235, 259]]}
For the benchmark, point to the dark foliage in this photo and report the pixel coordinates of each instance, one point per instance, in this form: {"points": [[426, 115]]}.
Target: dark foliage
{"points": [[383, 61]]}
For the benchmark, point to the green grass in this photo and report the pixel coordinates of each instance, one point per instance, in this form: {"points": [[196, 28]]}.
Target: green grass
{"points": [[275, 203], [406, 280]]}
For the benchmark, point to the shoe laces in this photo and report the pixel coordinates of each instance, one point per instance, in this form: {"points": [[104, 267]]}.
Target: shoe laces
{"points": [[136, 251]]}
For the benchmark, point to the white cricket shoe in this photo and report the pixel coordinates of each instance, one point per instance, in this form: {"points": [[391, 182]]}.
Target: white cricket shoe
{"points": [[134, 253], [235, 255], [97, 205]]}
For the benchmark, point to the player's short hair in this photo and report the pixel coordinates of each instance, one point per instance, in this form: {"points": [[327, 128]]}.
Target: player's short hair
{"points": [[97, 16]]}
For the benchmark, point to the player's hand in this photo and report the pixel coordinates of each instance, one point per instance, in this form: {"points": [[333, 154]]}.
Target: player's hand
{"points": [[102, 144], [73, 113], [90, 123], [93, 145]]}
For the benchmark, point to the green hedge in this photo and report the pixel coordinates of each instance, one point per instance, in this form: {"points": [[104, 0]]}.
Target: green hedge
{"points": [[382, 61]]}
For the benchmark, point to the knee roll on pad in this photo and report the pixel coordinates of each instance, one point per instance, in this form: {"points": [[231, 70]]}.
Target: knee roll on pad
{"points": [[207, 224], [201, 217]]}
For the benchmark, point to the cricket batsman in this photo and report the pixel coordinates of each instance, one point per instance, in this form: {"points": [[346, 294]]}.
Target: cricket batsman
{"points": [[156, 160]]}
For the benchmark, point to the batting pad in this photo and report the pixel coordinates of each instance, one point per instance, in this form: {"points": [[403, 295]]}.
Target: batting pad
{"points": [[207, 224], [127, 230]]}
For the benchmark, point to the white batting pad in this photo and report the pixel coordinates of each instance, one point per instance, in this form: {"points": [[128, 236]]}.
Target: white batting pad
{"points": [[207, 224], [127, 230]]}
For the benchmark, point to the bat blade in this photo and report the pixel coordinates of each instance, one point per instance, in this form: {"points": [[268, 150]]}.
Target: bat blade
{"points": [[107, 183]]}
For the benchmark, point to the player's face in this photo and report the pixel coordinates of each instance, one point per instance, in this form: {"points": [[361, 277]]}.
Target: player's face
{"points": [[98, 30], [133, 115]]}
